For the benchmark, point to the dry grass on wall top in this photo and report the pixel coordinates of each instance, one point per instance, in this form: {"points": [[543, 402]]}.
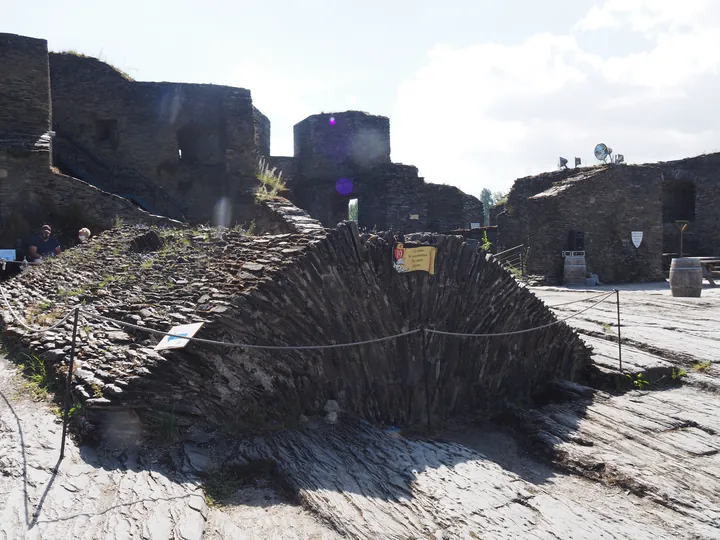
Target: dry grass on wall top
{"points": [[99, 58], [271, 182]]}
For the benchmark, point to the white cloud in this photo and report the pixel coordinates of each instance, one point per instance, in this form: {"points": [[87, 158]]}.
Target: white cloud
{"points": [[488, 113]]}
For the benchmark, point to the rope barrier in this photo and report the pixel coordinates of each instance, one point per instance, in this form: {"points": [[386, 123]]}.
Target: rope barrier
{"points": [[460, 334], [24, 324], [578, 301], [245, 345], [94, 316]]}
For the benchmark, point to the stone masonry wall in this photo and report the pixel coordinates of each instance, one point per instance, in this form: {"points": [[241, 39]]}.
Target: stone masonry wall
{"points": [[604, 204], [354, 148], [355, 141], [24, 89], [214, 126], [512, 220], [32, 195], [449, 208], [262, 133], [291, 289], [704, 172]]}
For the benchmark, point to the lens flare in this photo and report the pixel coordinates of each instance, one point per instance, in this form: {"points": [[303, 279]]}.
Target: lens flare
{"points": [[331, 121], [344, 186]]}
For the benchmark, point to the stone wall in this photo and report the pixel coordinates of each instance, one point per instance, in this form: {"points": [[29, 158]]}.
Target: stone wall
{"points": [[292, 289], [199, 142], [24, 96], [702, 237], [449, 208], [262, 132], [607, 204], [32, 195], [512, 217], [341, 144], [343, 156]]}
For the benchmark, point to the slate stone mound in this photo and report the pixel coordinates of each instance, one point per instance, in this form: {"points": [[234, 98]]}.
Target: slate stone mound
{"points": [[149, 241], [309, 286]]}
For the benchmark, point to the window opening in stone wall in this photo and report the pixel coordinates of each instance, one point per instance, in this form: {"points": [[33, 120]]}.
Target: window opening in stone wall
{"points": [[200, 144], [353, 210], [678, 201], [106, 131]]}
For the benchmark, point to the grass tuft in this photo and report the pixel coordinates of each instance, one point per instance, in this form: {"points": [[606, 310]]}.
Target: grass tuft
{"points": [[271, 182]]}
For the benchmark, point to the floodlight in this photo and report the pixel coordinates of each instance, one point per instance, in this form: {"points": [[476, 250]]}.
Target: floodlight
{"points": [[602, 152], [562, 163], [577, 162]]}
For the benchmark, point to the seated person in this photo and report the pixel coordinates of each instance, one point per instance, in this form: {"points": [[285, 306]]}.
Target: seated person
{"points": [[44, 245]]}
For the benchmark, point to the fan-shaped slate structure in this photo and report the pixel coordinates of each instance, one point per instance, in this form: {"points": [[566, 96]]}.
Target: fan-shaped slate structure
{"points": [[300, 285]]}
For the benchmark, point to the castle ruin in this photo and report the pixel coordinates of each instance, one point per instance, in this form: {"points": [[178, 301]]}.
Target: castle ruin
{"points": [[190, 152]]}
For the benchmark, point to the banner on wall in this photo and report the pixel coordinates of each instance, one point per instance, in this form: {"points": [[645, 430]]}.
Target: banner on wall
{"points": [[416, 259]]}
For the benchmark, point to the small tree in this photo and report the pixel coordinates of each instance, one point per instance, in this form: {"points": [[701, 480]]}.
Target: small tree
{"points": [[486, 198]]}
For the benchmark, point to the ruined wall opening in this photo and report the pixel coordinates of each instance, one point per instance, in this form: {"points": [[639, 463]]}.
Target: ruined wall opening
{"points": [[200, 145], [678, 201], [353, 209]]}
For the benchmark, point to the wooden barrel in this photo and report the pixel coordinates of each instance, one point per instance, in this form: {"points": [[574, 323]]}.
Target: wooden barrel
{"points": [[575, 271], [686, 277]]}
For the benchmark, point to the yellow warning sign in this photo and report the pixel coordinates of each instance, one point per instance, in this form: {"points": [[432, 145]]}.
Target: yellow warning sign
{"points": [[416, 259]]}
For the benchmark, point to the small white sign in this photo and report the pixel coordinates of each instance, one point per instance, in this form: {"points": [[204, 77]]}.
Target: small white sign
{"points": [[637, 237], [174, 339], [474, 225], [7, 254], [3, 173], [414, 216]]}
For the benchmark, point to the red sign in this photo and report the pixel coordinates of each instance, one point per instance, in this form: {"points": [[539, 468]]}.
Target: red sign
{"points": [[399, 252]]}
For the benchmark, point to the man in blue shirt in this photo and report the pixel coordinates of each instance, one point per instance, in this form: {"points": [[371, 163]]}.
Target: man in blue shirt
{"points": [[44, 245]]}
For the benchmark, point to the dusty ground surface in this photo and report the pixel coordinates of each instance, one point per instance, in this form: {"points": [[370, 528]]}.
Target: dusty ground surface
{"points": [[636, 464], [98, 494]]}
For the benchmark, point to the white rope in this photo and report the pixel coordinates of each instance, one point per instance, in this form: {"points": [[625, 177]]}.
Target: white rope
{"points": [[578, 301], [95, 316], [459, 334], [24, 324], [245, 345]]}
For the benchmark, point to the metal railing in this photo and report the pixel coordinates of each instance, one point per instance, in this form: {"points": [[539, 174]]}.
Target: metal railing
{"points": [[513, 259], [105, 176]]}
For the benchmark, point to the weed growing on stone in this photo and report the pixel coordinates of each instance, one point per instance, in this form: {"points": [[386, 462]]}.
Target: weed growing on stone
{"points": [[119, 222], [516, 272], [96, 390], [678, 374], [638, 381], [38, 380], [271, 182], [65, 293], [486, 245], [702, 367], [607, 328]]}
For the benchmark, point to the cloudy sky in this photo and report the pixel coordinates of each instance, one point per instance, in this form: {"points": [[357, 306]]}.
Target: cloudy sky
{"points": [[479, 92]]}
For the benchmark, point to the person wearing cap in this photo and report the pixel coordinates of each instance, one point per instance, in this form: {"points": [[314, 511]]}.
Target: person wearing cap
{"points": [[44, 245]]}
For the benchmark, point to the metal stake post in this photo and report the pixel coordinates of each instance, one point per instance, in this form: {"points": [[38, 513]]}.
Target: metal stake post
{"points": [[425, 369], [68, 384], [617, 293]]}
